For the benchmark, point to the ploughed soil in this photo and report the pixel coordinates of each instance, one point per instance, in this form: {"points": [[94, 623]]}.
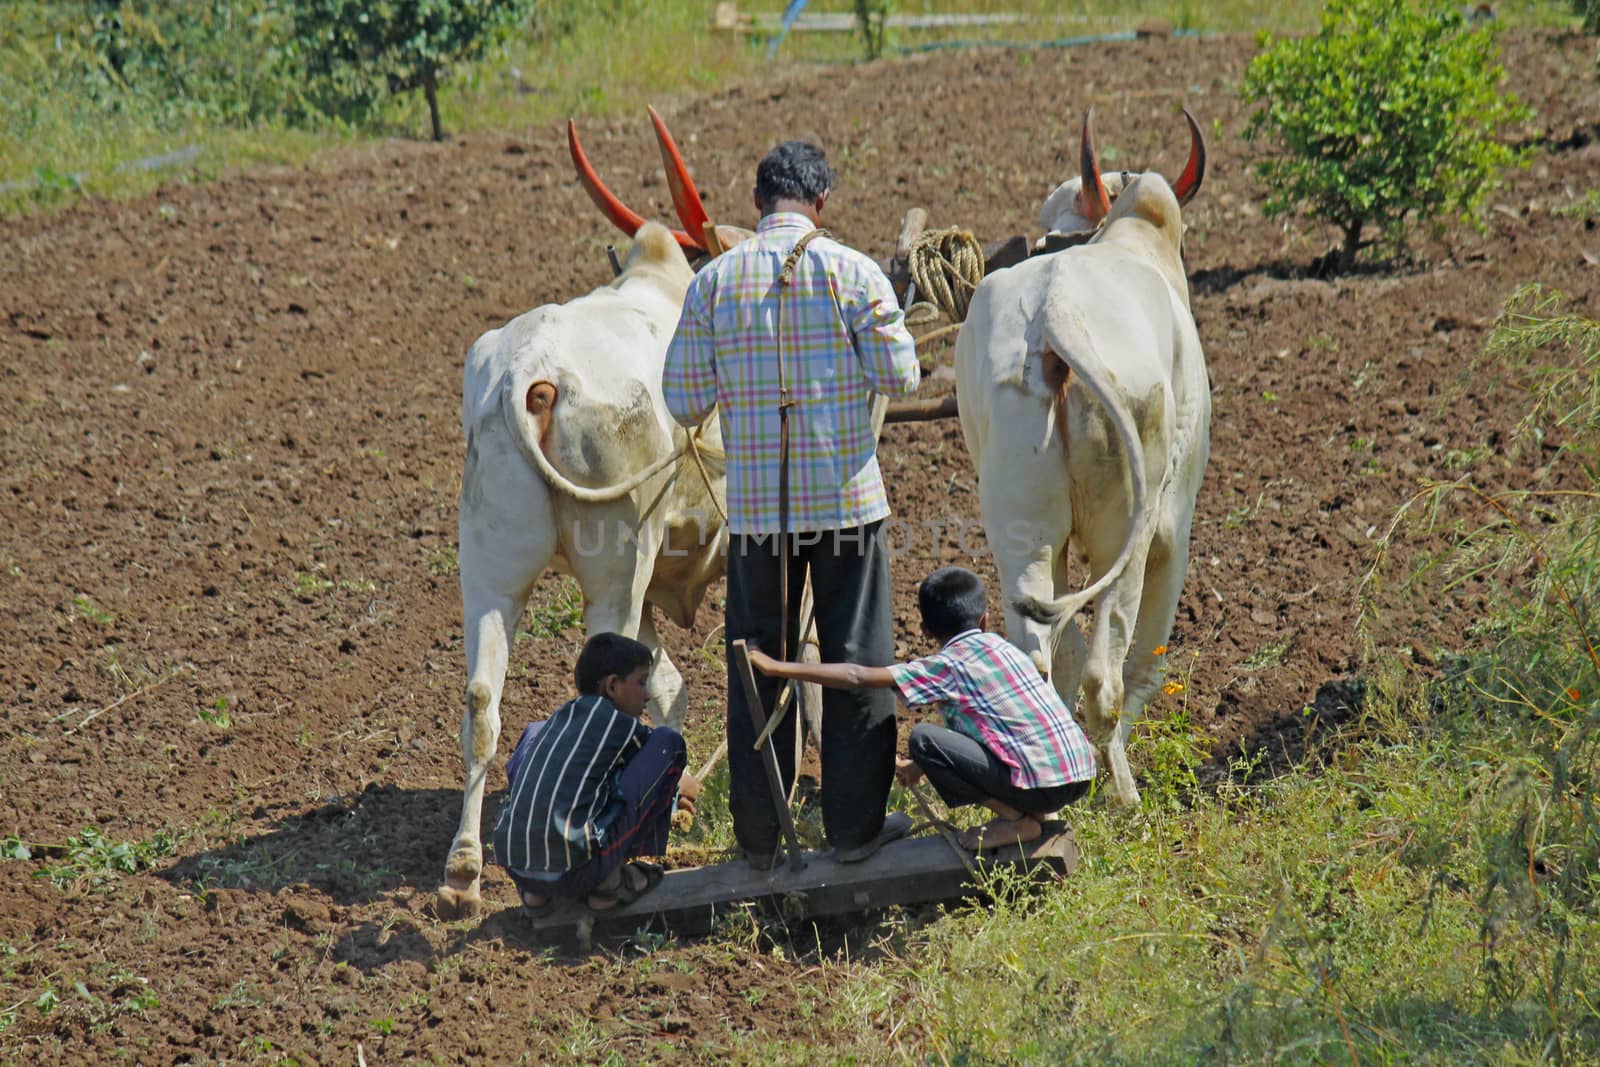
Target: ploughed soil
{"points": [[228, 604]]}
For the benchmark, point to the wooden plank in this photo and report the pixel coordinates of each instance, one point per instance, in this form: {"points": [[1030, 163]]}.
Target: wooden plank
{"points": [[945, 407], [917, 871]]}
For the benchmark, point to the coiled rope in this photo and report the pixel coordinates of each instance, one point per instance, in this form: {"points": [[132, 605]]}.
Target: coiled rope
{"points": [[946, 266]]}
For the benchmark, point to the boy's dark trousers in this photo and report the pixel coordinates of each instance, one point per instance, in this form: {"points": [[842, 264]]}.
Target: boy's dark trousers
{"points": [[965, 772], [648, 784], [850, 582]]}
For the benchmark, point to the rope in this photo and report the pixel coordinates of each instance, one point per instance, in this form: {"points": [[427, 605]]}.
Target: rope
{"points": [[691, 444], [946, 267]]}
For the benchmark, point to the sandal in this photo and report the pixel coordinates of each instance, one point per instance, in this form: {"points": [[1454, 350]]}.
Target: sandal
{"points": [[626, 892]]}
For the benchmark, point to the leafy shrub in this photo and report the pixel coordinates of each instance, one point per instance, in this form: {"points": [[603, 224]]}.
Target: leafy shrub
{"points": [[1388, 113], [355, 51], [220, 60]]}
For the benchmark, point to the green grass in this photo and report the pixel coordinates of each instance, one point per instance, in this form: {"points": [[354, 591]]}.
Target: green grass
{"points": [[1329, 917], [70, 126]]}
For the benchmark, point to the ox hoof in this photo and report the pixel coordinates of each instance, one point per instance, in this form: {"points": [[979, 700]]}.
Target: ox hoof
{"points": [[458, 902]]}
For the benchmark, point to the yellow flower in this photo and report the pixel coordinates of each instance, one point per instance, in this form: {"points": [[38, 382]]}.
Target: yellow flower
{"points": [[1161, 650], [1172, 688]]}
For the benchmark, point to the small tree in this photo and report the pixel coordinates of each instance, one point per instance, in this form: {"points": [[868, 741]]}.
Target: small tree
{"points": [[355, 50], [1389, 112], [1589, 11], [872, 21]]}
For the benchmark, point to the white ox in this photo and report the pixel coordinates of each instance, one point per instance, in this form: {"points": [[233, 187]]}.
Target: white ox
{"points": [[1086, 406], [573, 462]]}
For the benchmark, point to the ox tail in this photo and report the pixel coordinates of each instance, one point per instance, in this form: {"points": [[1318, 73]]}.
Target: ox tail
{"points": [[527, 408], [1058, 611]]}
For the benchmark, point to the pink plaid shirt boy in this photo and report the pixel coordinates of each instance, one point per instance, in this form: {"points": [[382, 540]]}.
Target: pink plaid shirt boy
{"points": [[994, 694], [844, 339]]}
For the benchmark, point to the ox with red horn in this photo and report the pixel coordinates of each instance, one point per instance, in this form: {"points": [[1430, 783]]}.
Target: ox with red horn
{"points": [[699, 235]]}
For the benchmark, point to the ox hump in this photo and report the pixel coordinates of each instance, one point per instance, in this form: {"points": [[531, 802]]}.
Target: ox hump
{"points": [[655, 244]]}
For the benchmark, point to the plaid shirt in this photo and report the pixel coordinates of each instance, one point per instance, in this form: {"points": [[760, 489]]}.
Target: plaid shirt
{"points": [[844, 339], [994, 694]]}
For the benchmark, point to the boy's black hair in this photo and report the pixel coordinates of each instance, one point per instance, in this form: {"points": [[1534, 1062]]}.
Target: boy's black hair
{"points": [[952, 600], [795, 170], [606, 654]]}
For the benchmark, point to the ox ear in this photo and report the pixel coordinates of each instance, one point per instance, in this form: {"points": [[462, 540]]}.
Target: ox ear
{"points": [[728, 236], [1194, 172], [1093, 202]]}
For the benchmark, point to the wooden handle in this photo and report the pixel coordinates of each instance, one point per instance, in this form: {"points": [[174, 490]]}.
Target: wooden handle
{"points": [[923, 410], [911, 227]]}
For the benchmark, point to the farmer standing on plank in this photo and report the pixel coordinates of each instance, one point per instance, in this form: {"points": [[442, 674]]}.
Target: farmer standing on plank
{"points": [[814, 356]]}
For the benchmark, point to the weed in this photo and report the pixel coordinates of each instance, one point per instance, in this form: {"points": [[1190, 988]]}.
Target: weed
{"points": [[563, 611], [93, 858], [1457, 459], [1587, 205], [1271, 655], [83, 608], [1171, 751], [442, 562], [217, 715], [238, 997], [308, 586]]}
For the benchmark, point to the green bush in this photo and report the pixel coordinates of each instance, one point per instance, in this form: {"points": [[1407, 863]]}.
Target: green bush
{"points": [[355, 51], [1387, 115], [170, 61]]}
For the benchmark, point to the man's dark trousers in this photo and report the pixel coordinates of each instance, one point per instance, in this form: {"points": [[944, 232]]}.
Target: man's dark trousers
{"points": [[855, 624]]}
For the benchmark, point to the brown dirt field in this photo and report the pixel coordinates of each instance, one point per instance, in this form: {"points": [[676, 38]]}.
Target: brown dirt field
{"points": [[229, 474]]}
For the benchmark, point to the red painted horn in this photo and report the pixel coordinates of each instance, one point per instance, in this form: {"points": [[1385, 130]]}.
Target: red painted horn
{"points": [[1092, 192], [685, 197], [1194, 171], [620, 215]]}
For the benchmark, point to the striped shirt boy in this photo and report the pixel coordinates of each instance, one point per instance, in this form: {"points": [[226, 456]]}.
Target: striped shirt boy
{"points": [[563, 796], [992, 693], [844, 339]]}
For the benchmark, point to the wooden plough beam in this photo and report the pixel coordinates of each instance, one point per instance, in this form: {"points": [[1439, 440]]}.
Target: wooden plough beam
{"points": [[920, 870]]}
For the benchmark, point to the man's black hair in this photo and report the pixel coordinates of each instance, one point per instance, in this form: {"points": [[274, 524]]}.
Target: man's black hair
{"points": [[795, 170], [952, 600], [604, 655]]}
